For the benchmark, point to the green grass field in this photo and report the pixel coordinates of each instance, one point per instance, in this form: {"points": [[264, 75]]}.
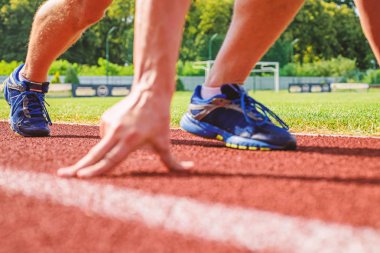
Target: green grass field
{"points": [[353, 113]]}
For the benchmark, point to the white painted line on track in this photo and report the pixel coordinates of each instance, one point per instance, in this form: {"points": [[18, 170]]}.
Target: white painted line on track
{"points": [[337, 136], [247, 228]]}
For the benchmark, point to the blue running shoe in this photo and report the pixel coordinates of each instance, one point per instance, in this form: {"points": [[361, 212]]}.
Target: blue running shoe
{"points": [[28, 115], [238, 120]]}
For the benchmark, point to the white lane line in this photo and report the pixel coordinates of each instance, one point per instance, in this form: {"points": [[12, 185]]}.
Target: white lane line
{"points": [[247, 228], [337, 136]]}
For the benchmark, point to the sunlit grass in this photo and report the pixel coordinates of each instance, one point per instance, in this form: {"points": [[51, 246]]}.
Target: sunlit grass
{"points": [[356, 113]]}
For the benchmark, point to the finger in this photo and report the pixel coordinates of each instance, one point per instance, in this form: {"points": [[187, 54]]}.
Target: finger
{"points": [[112, 159], [162, 149], [95, 154], [67, 172], [103, 129]]}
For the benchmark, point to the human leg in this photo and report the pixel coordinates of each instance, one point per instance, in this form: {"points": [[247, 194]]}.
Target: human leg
{"points": [[369, 17], [255, 26], [143, 117], [57, 25]]}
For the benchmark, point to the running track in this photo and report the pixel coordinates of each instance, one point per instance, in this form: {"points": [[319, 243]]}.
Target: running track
{"points": [[324, 197]]}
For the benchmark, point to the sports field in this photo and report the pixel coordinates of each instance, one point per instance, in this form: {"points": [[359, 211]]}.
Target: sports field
{"points": [[322, 197], [350, 113]]}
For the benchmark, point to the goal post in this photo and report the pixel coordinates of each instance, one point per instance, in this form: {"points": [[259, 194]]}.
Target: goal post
{"points": [[261, 67], [269, 67]]}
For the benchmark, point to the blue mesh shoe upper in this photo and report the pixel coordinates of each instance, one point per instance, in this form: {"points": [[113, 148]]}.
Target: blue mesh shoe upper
{"points": [[239, 115], [28, 115]]}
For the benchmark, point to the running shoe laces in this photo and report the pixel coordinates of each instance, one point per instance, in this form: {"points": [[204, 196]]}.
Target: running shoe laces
{"points": [[33, 105], [250, 105]]}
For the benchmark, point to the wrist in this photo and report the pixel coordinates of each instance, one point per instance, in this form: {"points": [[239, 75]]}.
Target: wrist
{"points": [[159, 87]]}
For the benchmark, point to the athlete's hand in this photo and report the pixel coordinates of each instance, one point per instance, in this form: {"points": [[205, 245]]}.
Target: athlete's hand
{"points": [[139, 119]]}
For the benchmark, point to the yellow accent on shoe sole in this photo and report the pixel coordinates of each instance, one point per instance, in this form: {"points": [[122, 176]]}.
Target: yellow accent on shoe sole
{"points": [[219, 137], [233, 146], [230, 145], [17, 134]]}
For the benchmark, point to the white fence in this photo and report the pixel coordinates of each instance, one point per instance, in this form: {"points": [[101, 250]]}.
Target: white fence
{"points": [[190, 82]]}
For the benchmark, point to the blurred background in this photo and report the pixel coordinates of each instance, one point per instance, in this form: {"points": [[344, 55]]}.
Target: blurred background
{"points": [[325, 40]]}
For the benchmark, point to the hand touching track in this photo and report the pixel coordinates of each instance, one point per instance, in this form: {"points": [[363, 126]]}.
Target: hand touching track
{"points": [[139, 119], [144, 116]]}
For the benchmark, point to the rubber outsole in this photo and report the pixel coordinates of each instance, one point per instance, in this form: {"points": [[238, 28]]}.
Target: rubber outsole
{"points": [[208, 131]]}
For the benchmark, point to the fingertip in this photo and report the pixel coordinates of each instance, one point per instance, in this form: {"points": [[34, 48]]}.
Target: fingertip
{"points": [[181, 166], [84, 174], [66, 172], [187, 165]]}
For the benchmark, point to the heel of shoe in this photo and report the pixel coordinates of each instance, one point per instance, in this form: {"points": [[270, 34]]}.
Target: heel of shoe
{"points": [[196, 127], [5, 91]]}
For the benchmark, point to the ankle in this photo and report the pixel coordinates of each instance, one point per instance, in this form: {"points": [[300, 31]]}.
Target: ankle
{"points": [[209, 92], [25, 75]]}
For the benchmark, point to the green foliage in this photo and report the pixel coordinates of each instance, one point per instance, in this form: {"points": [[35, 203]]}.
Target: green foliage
{"points": [[114, 69], [336, 67], [206, 18], [323, 29], [62, 66], [179, 84], [71, 76], [96, 70], [186, 69], [349, 3], [373, 76], [56, 78], [7, 67], [355, 113], [15, 24], [279, 52], [326, 30]]}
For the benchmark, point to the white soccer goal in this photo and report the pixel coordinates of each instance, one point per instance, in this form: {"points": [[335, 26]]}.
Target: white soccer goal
{"points": [[261, 67]]}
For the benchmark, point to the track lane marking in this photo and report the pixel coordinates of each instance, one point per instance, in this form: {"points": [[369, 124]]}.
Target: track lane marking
{"points": [[242, 227]]}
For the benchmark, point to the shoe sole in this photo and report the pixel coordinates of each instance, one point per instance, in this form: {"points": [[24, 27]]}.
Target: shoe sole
{"points": [[208, 131], [21, 134]]}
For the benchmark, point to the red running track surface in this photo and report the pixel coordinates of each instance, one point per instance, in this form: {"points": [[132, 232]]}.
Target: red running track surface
{"points": [[334, 179]]}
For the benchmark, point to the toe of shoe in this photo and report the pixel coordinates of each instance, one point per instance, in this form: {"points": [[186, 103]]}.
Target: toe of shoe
{"points": [[33, 131], [278, 137]]}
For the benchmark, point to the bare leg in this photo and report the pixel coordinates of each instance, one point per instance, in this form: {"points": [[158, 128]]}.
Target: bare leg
{"points": [[58, 24], [157, 42], [369, 17], [255, 26]]}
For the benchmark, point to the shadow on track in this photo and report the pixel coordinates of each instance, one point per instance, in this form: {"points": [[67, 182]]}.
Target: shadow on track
{"points": [[210, 174], [365, 152], [341, 151], [72, 136], [205, 143]]}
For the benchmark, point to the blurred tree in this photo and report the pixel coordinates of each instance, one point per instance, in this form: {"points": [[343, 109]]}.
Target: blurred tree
{"points": [[327, 30], [322, 30], [15, 24], [91, 46], [206, 18], [349, 3]]}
